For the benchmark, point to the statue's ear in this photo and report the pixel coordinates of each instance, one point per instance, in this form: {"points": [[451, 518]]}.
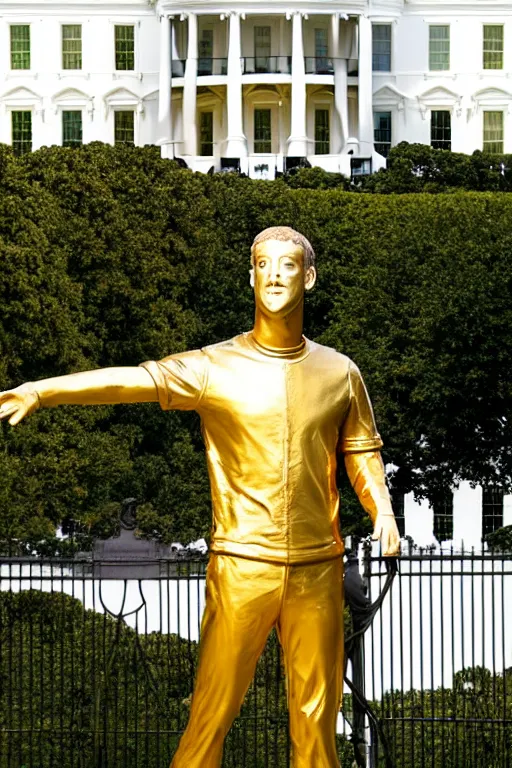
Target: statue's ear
{"points": [[251, 277], [310, 278]]}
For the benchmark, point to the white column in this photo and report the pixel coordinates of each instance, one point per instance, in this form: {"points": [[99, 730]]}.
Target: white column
{"points": [[190, 90], [298, 143], [340, 136], [236, 143], [365, 87], [164, 90]]}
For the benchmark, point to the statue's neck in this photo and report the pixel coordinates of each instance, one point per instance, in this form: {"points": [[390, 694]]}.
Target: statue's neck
{"points": [[281, 333]]}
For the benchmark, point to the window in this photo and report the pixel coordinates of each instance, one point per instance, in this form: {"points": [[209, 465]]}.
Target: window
{"points": [[206, 133], [125, 47], [20, 46], [72, 128], [322, 132], [493, 132], [441, 129], [205, 52], [439, 47], [492, 509], [382, 132], [262, 49], [360, 166], [21, 132], [493, 46], [381, 47], [71, 46], [443, 516], [124, 130], [398, 504], [262, 130]]}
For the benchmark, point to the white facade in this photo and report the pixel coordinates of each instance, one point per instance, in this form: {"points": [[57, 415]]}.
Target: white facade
{"points": [[254, 83]]}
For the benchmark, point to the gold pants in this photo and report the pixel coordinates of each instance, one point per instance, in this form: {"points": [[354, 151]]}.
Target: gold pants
{"points": [[244, 600]]}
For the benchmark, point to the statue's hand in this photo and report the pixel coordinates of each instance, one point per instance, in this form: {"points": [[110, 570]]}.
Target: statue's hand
{"points": [[386, 530], [17, 403]]}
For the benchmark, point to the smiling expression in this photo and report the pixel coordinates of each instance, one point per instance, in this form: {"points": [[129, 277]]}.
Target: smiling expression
{"points": [[279, 278]]}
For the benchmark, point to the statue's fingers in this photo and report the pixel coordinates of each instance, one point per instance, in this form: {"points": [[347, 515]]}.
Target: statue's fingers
{"points": [[17, 417], [7, 410]]}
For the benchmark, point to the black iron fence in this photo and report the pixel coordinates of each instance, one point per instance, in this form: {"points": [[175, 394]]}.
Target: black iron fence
{"points": [[439, 660], [97, 662]]}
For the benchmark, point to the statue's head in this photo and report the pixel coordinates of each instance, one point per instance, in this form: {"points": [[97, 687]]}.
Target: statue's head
{"points": [[282, 269]]}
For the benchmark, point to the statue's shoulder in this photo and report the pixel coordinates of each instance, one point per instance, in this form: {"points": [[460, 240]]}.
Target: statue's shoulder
{"points": [[221, 348], [330, 357]]}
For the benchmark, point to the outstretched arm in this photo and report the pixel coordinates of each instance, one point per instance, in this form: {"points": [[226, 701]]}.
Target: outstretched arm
{"points": [[367, 476], [100, 387]]}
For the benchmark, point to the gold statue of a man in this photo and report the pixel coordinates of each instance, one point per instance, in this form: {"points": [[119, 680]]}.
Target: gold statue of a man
{"points": [[277, 410]]}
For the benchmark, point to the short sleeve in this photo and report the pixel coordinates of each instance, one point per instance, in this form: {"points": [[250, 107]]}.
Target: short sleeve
{"points": [[180, 379], [359, 431]]}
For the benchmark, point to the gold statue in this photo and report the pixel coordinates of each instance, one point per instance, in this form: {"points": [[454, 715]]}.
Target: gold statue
{"points": [[277, 410]]}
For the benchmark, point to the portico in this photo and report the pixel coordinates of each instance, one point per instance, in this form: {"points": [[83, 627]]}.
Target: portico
{"points": [[263, 92]]}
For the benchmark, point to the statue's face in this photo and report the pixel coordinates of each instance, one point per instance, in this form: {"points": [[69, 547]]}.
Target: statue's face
{"points": [[279, 278]]}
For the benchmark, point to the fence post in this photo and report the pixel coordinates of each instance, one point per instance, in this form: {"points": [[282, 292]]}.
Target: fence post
{"points": [[358, 677]]}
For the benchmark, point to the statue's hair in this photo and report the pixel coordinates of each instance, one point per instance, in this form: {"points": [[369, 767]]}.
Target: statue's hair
{"points": [[283, 234]]}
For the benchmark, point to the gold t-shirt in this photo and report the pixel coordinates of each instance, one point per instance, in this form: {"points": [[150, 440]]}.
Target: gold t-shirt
{"points": [[273, 425]]}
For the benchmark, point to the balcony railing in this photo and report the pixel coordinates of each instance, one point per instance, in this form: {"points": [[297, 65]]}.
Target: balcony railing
{"points": [[212, 66], [277, 65], [319, 65], [178, 67], [324, 65]]}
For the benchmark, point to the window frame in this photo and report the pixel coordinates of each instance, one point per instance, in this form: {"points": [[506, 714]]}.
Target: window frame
{"points": [[491, 503], [71, 53], [489, 141], [326, 110], [374, 54], [442, 510], [125, 110], [491, 52], [72, 142], [22, 112], [12, 53], [441, 128], [200, 126], [262, 141], [431, 53], [387, 144], [125, 25]]}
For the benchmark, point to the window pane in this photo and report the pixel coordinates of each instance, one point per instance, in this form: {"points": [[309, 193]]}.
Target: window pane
{"points": [[21, 132], [125, 47], [20, 46], [205, 63], [262, 48], [72, 128], [124, 132], [492, 509], [443, 516], [381, 47], [382, 132], [441, 129], [72, 46], [262, 130], [493, 132], [493, 46], [439, 47], [206, 133], [322, 132], [320, 43]]}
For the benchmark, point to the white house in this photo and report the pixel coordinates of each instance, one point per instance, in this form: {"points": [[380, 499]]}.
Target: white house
{"points": [[258, 85]]}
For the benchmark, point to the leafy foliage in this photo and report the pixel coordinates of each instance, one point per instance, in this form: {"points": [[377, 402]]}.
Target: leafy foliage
{"points": [[82, 688], [111, 256]]}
